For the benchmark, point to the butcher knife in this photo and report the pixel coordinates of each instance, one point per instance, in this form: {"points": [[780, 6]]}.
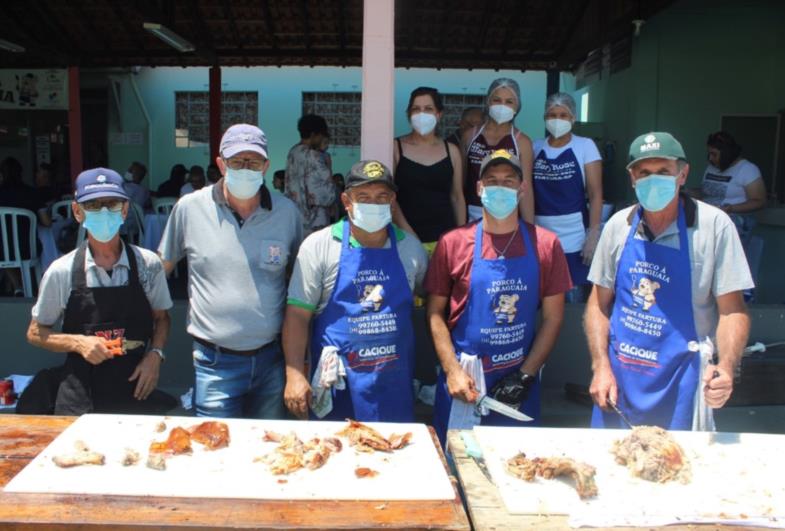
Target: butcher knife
{"points": [[119, 346], [502, 408], [474, 451], [622, 415]]}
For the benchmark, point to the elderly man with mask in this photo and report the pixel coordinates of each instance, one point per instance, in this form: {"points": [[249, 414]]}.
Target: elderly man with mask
{"points": [[355, 281], [112, 300], [503, 104], [485, 283], [239, 240], [668, 277]]}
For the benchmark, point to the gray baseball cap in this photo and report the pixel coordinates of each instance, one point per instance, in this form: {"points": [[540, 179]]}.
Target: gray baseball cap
{"points": [[501, 156], [243, 137]]}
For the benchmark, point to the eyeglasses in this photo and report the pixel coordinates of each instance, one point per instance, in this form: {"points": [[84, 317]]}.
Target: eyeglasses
{"points": [[239, 164], [115, 205]]}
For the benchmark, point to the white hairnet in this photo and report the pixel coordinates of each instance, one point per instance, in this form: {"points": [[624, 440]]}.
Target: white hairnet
{"points": [[505, 82], [561, 99]]}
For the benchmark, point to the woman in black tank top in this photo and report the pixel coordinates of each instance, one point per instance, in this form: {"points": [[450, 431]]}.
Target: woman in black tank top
{"points": [[428, 173]]}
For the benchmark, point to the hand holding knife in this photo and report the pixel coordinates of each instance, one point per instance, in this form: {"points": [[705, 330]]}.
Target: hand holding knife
{"points": [[120, 346]]}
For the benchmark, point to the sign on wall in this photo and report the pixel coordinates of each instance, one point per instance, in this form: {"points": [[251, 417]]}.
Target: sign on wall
{"points": [[34, 89]]}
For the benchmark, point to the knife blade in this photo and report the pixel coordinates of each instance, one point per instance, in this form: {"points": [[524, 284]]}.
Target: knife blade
{"points": [[622, 415], [474, 451], [502, 408]]}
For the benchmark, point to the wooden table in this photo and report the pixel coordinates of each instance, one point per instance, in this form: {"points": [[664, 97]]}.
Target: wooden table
{"points": [[23, 437], [488, 512]]}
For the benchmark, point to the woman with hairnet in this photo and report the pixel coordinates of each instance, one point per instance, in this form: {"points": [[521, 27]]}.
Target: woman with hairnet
{"points": [[567, 170], [498, 132]]}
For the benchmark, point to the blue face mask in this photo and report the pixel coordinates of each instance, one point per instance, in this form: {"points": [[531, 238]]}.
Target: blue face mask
{"points": [[245, 183], [655, 192], [499, 201], [104, 224]]}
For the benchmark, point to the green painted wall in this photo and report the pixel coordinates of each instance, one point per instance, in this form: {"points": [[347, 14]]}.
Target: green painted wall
{"points": [[692, 63], [280, 105]]}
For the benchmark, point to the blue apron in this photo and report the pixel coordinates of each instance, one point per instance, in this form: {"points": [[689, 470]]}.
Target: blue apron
{"points": [[368, 318], [650, 326], [497, 326], [559, 191]]}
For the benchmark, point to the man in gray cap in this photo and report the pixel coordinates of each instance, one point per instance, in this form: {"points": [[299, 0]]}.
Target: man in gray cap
{"points": [[239, 240], [668, 276], [355, 280]]}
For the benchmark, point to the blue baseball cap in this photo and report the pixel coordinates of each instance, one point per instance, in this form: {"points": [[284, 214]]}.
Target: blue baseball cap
{"points": [[97, 183], [243, 137]]}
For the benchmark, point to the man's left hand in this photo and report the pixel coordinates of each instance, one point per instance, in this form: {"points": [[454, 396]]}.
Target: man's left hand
{"points": [[146, 375], [717, 390], [513, 389]]}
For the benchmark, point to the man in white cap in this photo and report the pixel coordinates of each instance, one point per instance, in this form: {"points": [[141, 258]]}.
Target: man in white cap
{"points": [[668, 273], [239, 240], [113, 305]]}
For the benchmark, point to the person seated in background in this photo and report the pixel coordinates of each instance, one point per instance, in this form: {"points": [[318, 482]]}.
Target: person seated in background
{"points": [[114, 350], [14, 193], [171, 187], [732, 183], [340, 211], [196, 180], [137, 192], [46, 192], [279, 180], [471, 117], [308, 177], [213, 173], [567, 172]]}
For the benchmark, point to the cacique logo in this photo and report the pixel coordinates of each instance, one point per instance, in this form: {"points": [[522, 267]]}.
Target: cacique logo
{"points": [[638, 352], [515, 354], [372, 352]]}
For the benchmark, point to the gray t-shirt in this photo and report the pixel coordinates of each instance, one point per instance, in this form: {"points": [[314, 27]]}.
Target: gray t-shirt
{"points": [[316, 268], [716, 256], [56, 284], [236, 271]]}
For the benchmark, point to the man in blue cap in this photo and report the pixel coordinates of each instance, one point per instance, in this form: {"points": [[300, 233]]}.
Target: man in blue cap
{"points": [[668, 273], [113, 302]]}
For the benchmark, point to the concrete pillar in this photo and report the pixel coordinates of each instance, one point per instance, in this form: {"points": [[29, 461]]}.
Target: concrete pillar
{"points": [[74, 123], [378, 87], [215, 112]]}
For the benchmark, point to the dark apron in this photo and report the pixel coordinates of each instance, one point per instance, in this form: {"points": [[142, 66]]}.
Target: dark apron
{"points": [[115, 312]]}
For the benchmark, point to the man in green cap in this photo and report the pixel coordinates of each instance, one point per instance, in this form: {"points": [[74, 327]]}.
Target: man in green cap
{"points": [[668, 276]]}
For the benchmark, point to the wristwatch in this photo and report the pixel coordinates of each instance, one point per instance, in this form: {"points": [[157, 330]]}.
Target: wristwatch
{"points": [[159, 352]]}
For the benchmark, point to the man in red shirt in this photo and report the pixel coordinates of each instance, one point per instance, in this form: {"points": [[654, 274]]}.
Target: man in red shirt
{"points": [[483, 301]]}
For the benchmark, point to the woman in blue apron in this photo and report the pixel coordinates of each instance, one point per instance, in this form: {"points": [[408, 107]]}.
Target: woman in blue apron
{"points": [[650, 327], [501, 344], [368, 319]]}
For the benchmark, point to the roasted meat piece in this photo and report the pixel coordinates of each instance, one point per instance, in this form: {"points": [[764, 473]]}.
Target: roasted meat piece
{"points": [[652, 454], [179, 442], [213, 435], [366, 439], [363, 472], [81, 456], [292, 454], [550, 467]]}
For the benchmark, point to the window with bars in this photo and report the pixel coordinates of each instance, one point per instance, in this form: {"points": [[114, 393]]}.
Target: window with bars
{"points": [[454, 105], [341, 111], [192, 115]]}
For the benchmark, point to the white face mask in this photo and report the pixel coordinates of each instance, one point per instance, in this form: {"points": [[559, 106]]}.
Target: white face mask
{"points": [[128, 176], [558, 127], [423, 122], [245, 183], [501, 114], [370, 217]]}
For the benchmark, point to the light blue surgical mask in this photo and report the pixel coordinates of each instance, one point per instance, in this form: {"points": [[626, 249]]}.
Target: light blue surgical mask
{"points": [[104, 224], [655, 192], [244, 183], [499, 201], [423, 122], [371, 217]]}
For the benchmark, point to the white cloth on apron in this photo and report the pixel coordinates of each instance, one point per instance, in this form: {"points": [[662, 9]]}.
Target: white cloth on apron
{"points": [[463, 415], [330, 372], [703, 414]]}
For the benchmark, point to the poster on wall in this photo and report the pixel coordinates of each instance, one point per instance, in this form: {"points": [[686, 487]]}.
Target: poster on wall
{"points": [[34, 89], [43, 151]]}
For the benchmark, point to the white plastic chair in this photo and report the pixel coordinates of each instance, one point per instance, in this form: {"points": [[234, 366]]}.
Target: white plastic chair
{"points": [[12, 253], [62, 209], [163, 205]]}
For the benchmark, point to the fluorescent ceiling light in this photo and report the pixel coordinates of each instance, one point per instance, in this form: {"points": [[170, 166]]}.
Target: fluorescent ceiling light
{"points": [[11, 46], [171, 38]]}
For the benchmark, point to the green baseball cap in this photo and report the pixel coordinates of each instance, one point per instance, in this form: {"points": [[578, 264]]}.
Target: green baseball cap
{"points": [[655, 146]]}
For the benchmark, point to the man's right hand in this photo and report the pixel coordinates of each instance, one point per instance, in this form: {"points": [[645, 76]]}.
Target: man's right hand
{"points": [[603, 387], [460, 385], [297, 394], [94, 350]]}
